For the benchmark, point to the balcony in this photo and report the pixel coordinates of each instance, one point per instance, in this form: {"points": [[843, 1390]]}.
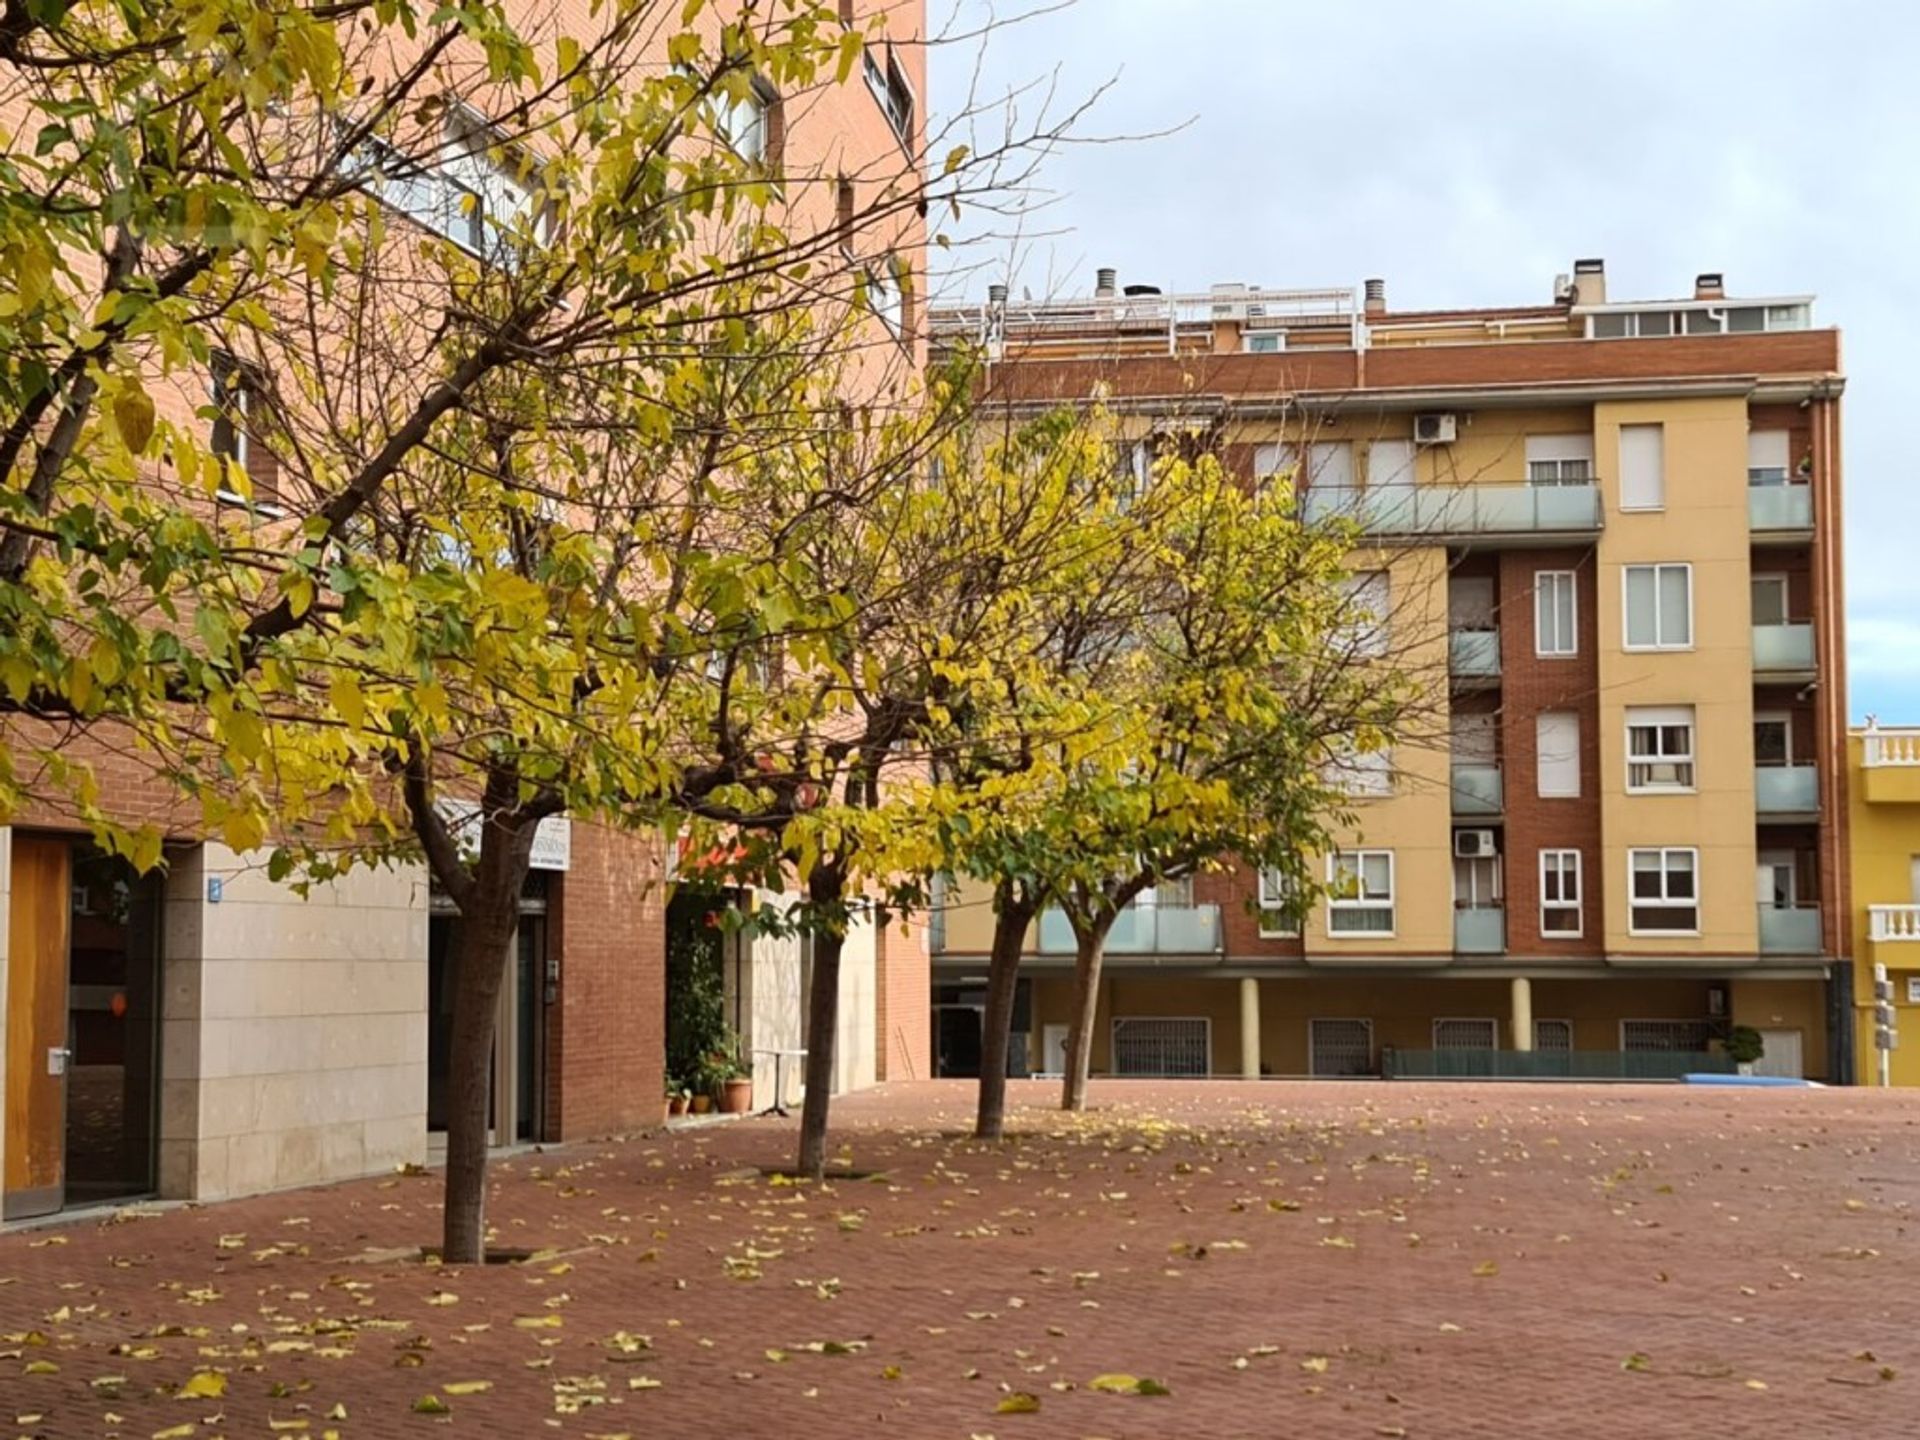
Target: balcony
{"points": [[1891, 761], [1442, 510], [1897, 923], [1780, 508], [1786, 790], [1480, 931], [1143, 930], [1790, 932], [1473, 655], [1477, 790], [1783, 649]]}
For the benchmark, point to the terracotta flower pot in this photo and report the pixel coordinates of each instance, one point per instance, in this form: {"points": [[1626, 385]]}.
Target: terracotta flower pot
{"points": [[736, 1097], [702, 1104], [677, 1105]]}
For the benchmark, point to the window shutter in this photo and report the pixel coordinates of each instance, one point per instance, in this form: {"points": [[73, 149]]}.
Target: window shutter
{"points": [[1557, 753], [1642, 467]]}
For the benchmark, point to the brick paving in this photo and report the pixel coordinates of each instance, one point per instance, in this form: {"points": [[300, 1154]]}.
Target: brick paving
{"points": [[1287, 1259]]}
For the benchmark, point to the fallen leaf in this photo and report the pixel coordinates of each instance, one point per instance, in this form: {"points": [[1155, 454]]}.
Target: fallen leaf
{"points": [[431, 1405], [205, 1385], [1486, 1268], [1636, 1362], [1018, 1403], [467, 1387]]}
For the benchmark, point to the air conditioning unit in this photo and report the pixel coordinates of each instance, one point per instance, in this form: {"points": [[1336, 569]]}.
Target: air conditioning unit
{"points": [[1438, 427], [1474, 844]]}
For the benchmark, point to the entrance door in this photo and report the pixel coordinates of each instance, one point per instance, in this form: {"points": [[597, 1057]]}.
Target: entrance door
{"points": [[1781, 1055], [1774, 886], [1053, 1049], [957, 1040], [38, 927]]}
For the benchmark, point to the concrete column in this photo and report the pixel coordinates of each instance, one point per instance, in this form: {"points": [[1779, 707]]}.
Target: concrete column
{"points": [[1522, 1013], [1250, 1028]]}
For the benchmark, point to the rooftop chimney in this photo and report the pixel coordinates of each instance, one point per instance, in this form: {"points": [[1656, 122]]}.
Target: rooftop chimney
{"points": [[1376, 297], [1589, 282], [996, 294], [1104, 286], [1709, 285]]}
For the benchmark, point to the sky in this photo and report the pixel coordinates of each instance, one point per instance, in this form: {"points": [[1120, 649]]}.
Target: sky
{"points": [[1468, 151]]}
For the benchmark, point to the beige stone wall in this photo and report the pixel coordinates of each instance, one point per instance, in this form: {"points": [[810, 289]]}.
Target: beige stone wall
{"points": [[853, 1049], [773, 978], [294, 1032]]}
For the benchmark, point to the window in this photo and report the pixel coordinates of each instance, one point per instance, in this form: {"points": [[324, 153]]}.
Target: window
{"points": [[1659, 606], [1559, 459], [889, 85], [467, 193], [1476, 882], [1161, 1047], [1267, 343], [1643, 483], [1390, 462], [1278, 902], [1132, 466], [1659, 747], [1340, 1047], [1358, 773], [1553, 1035], [884, 296], [1773, 738], [1560, 894], [1360, 892], [843, 209], [1466, 1034], [1556, 739], [240, 419], [1554, 613], [1767, 457], [1663, 896], [1769, 599], [1365, 611], [748, 123], [1668, 1035]]}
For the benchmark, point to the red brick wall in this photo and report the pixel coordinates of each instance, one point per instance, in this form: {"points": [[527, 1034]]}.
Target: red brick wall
{"points": [[1529, 685], [904, 1004], [606, 1033], [1236, 891]]}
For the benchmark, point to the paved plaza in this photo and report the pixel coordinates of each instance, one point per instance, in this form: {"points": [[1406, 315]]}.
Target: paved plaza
{"points": [[1281, 1259]]}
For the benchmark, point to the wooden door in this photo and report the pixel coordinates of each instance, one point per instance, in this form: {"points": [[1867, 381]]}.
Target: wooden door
{"points": [[37, 940]]}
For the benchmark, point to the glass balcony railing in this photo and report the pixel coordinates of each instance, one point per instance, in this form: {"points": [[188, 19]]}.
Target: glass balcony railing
{"points": [[1785, 789], [1780, 507], [1790, 932], [1459, 509], [1477, 790], [1143, 930], [1783, 647], [1474, 654], [1480, 931]]}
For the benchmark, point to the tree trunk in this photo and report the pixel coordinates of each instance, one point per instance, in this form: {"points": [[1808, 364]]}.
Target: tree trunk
{"points": [[1012, 915], [826, 894], [480, 969], [1089, 949]]}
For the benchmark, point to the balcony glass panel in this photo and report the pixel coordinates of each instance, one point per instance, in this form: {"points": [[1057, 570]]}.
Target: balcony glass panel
{"points": [[1143, 930], [1477, 790], [1474, 652], [1790, 932], [1780, 507], [1480, 931], [1783, 647], [1785, 789], [1459, 509]]}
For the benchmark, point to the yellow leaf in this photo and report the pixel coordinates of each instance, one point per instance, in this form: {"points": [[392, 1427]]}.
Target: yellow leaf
{"points": [[1315, 1363], [467, 1387], [42, 1367], [133, 417], [890, 1372], [1018, 1403], [431, 1405], [205, 1385], [1115, 1384], [536, 1322], [644, 1382], [176, 1432], [1486, 1268]]}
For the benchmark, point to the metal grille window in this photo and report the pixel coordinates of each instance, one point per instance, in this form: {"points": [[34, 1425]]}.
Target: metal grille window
{"points": [[1553, 1035], [1466, 1034], [1155, 1046], [1683, 1035], [1340, 1047], [1663, 892]]}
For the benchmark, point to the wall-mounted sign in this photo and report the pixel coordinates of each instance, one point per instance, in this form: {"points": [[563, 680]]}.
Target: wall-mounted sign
{"points": [[552, 838]]}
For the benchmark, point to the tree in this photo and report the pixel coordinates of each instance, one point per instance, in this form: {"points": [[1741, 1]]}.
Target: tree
{"points": [[518, 327]]}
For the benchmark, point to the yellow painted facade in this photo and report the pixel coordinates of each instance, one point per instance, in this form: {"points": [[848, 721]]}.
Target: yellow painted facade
{"points": [[1703, 523], [1884, 855]]}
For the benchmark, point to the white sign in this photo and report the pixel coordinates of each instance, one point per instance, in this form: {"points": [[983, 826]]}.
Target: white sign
{"points": [[552, 838]]}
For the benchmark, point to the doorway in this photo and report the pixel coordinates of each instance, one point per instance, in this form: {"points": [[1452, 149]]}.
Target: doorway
{"points": [[517, 1096], [83, 1013]]}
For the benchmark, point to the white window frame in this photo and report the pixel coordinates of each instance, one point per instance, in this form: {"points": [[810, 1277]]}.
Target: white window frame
{"points": [[1665, 900], [1544, 603], [1660, 719], [1642, 506], [745, 125], [1558, 858], [1780, 579], [880, 81], [1372, 1049], [885, 296], [1560, 459], [1570, 790], [1766, 446], [1784, 719], [1273, 894], [1361, 903], [1491, 1022], [1660, 641]]}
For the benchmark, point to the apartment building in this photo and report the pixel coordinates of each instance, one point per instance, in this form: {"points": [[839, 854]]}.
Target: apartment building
{"points": [[1609, 533], [204, 1032], [1883, 791]]}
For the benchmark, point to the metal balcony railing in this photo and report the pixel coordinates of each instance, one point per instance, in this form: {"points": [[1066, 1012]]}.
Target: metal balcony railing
{"points": [[1143, 930], [1459, 509]]}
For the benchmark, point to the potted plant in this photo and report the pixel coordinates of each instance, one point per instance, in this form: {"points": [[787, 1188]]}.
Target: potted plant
{"points": [[1744, 1045], [677, 1098], [730, 1077], [701, 1100]]}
